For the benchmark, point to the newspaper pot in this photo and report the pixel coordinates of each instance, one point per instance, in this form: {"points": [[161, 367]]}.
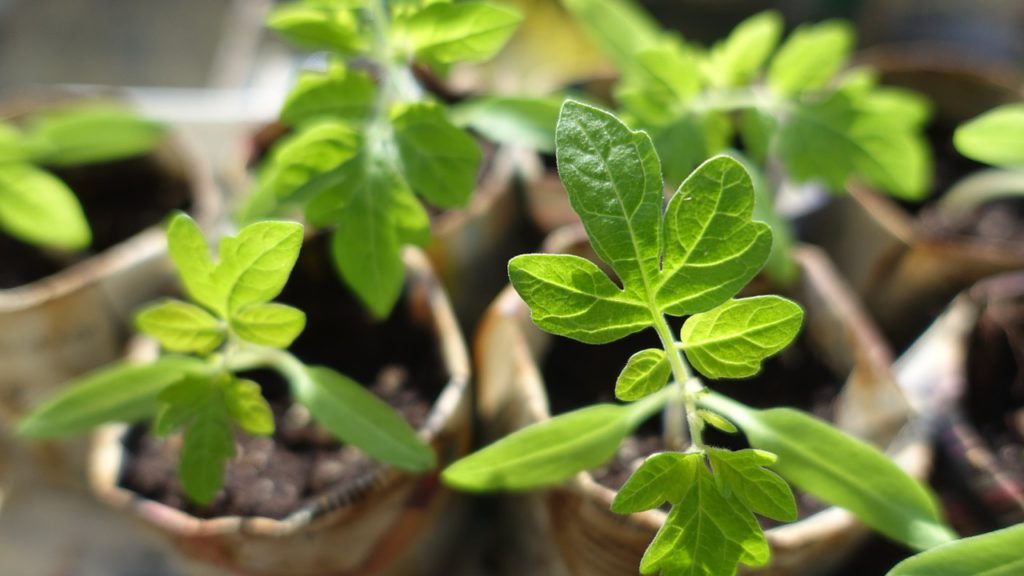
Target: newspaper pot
{"points": [[571, 527], [382, 521], [967, 376], [907, 266]]}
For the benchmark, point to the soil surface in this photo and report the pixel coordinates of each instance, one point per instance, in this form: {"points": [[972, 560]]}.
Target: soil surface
{"points": [[273, 477], [120, 199]]}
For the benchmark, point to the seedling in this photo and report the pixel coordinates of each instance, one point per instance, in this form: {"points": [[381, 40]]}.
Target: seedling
{"points": [[798, 115], [37, 207], [230, 326], [994, 138], [367, 138], [690, 260]]}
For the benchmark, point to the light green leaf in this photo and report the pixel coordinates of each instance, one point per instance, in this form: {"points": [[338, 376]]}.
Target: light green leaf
{"points": [[613, 178], [745, 474], [737, 59], [439, 160], [354, 415], [248, 408], [255, 265], [337, 94], [732, 340], [14, 149], [39, 208], [181, 327], [85, 135], [309, 162], [191, 256], [318, 27], [116, 393], [996, 137], [570, 296], [994, 554], [706, 532], [659, 82], [517, 120], [810, 57], [208, 444], [271, 324], [658, 480], [466, 32], [712, 247], [645, 373], [841, 470], [551, 451], [717, 421], [620, 28]]}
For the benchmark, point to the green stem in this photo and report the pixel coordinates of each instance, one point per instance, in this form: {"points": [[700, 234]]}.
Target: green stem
{"points": [[682, 405]]}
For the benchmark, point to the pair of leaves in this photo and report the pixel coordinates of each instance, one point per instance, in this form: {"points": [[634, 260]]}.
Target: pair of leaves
{"points": [[234, 294], [711, 527], [691, 261]]}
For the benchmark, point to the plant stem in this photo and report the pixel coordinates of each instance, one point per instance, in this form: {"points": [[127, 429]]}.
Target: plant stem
{"points": [[683, 404]]}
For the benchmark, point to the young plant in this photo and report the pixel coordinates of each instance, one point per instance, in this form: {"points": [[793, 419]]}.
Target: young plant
{"points": [[798, 116], [367, 138], [36, 206], [230, 326], [993, 554], [689, 260], [995, 138]]}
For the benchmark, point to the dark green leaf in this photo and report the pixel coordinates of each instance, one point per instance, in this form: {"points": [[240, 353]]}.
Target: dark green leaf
{"points": [[439, 160], [208, 445]]}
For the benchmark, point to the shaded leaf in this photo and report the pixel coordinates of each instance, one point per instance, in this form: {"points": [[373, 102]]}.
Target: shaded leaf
{"points": [[439, 160], [207, 446]]}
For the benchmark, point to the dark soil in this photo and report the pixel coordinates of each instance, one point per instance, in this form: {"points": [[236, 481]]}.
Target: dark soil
{"points": [[273, 477], [120, 199]]}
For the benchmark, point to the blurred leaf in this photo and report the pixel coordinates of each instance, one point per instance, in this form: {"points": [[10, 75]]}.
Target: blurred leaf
{"points": [[40, 209]]}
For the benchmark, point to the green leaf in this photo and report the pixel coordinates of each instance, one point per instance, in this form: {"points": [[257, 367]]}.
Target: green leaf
{"points": [[620, 28], [736, 60], [517, 120], [439, 160], [745, 474], [179, 402], [248, 408], [645, 373], [181, 327], [84, 135], [466, 32], [658, 480], [810, 57], [116, 393], [39, 208], [255, 265], [841, 470], [14, 149], [207, 446], [551, 451], [613, 178], [318, 27], [733, 339], [191, 256], [706, 532], [996, 137], [994, 554], [659, 82], [272, 324], [570, 296], [337, 94], [757, 129], [712, 247], [717, 421], [689, 140], [309, 162], [354, 415]]}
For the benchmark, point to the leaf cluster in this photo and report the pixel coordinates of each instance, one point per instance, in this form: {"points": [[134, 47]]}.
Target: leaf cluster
{"points": [[368, 147], [35, 205], [230, 325]]}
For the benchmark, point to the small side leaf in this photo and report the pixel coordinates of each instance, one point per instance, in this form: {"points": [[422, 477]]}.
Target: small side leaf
{"points": [[661, 478], [255, 265], [181, 327], [645, 373], [746, 474], [994, 554], [248, 408], [717, 421], [39, 208], [996, 137], [732, 340], [271, 324], [570, 296]]}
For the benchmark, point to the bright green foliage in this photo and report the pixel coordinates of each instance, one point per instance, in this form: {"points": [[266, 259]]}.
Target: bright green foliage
{"points": [[617, 26], [810, 57], [37, 207], [366, 148], [690, 260], [232, 327], [994, 554], [996, 137], [528, 122]]}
